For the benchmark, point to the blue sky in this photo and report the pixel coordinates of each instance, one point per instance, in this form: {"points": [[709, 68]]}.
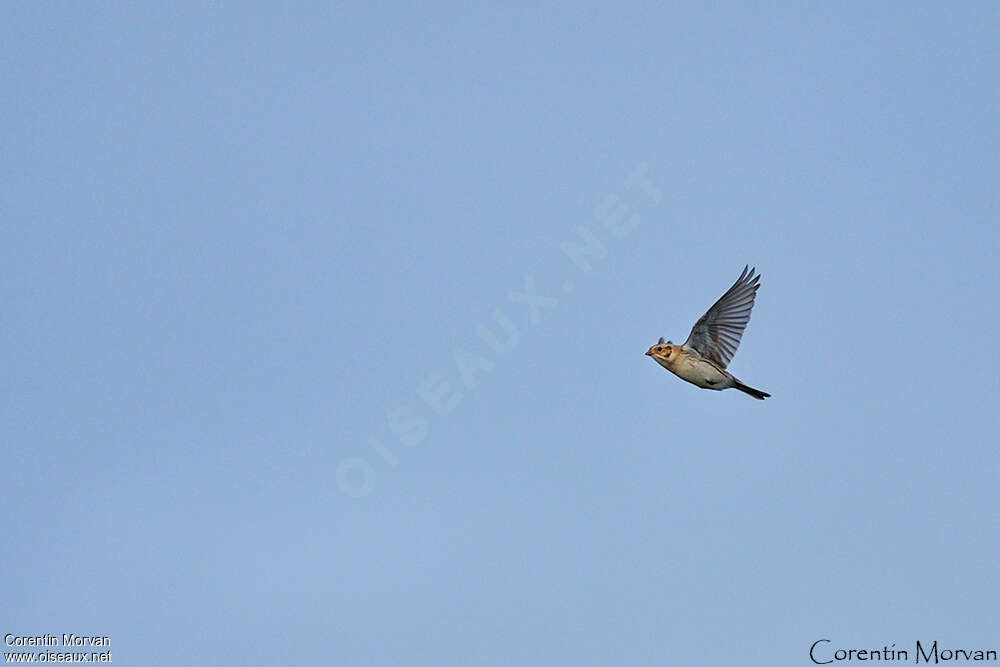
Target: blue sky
{"points": [[250, 415]]}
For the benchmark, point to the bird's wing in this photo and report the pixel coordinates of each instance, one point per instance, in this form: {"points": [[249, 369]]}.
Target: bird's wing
{"points": [[717, 334]]}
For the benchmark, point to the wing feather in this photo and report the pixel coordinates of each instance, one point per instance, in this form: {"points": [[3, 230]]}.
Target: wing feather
{"points": [[717, 334]]}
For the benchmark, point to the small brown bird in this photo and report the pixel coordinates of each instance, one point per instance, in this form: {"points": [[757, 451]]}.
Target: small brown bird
{"points": [[713, 340]]}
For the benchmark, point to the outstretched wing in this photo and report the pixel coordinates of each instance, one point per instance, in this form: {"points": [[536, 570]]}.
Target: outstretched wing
{"points": [[717, 334]]}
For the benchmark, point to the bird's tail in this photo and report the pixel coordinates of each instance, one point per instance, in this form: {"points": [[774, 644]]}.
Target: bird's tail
{"points": [[756, 393]]}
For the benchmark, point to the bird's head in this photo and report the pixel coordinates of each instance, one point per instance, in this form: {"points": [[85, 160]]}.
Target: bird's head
{"points": [[662, 351]]}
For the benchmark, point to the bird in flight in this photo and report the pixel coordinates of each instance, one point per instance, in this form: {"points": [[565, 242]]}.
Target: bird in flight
{"points": [[713, 340]]}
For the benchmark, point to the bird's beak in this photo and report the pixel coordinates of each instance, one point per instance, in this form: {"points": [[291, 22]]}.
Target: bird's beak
{"points": [[648, 353]]}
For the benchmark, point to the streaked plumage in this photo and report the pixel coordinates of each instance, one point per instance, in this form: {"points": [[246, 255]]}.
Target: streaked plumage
{"points": [[704, 356]]}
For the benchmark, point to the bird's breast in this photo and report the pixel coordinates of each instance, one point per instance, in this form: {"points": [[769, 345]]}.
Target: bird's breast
{"points": [[700, 372]]}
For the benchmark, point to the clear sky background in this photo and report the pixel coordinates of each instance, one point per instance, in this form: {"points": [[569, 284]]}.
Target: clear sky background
{"points": [[239, 242]]}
